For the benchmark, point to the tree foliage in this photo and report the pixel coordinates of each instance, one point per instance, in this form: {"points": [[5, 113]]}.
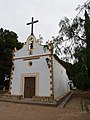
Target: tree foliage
{"points": [[74, 42], [8, 41]]}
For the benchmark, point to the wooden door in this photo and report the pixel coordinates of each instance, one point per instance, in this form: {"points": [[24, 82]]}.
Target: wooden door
{"points": [[29, 88]]}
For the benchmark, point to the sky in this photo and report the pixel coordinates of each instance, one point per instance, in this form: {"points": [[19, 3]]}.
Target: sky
{"points": [[14, 14]]}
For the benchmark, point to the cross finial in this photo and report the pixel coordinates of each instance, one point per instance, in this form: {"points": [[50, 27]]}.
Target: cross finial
{"points": [[32, 22]]}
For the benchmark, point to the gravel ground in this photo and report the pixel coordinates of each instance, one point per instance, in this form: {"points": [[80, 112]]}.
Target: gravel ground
{"points": [[72, 111]]}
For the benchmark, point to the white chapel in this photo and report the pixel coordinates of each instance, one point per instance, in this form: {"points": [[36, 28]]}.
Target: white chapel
{"points": [[36, 72]]}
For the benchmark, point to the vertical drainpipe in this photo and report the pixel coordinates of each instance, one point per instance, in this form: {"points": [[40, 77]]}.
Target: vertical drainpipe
{"points": [[51, 70]]}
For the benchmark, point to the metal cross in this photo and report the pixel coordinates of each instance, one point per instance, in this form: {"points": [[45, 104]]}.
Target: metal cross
{"points": [[32, 22]]}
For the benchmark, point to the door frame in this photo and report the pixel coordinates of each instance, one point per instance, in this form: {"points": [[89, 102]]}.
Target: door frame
{"points": [[22, 82]]}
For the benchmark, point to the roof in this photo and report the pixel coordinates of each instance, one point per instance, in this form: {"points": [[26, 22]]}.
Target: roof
{"points": [[60, 61]]}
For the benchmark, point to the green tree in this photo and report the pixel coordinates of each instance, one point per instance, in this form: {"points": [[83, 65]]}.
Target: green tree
{"points": [[8, 41], [74, 42]]}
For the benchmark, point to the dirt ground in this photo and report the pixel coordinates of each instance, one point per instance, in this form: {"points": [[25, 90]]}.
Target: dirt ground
{"points": [[76, 109]]}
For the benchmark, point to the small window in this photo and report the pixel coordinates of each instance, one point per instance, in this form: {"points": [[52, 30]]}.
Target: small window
{"points": [[30, 63]]}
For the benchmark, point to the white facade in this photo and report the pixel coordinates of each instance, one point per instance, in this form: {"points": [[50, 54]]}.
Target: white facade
{"points": [[29, 63]]}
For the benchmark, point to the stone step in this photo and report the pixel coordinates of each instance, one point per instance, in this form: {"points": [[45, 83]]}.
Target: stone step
{"points": [[65, 100]]}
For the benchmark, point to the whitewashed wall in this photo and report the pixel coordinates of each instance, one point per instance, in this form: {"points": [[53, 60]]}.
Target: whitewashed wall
{"points": [[61, 80], [38, 66], [24, 52]]}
